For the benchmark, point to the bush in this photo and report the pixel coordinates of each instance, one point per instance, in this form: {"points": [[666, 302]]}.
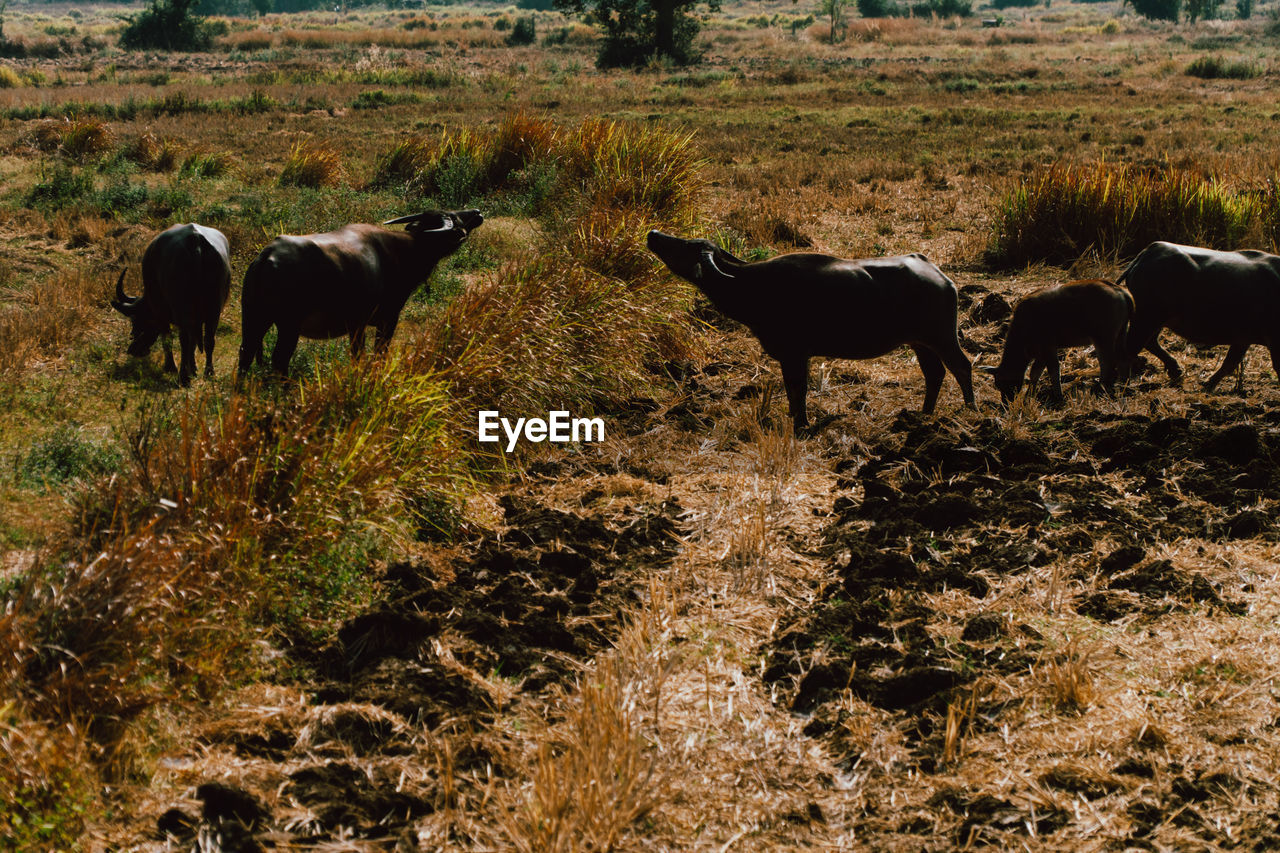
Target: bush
{"points": [[65, 187], [67, 454], [207, 164], [86, 138], [1201, 9], [1061, 212], [637, 32], [525, 31], [167, 25], [1157, 10], [1215, 67], [943, 8], [154, 153]]}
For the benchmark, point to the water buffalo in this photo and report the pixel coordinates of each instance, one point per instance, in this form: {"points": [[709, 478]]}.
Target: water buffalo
{"points": [[803, 305], [186, 279], [340, 282], [1207, 297], [1074, 314]]}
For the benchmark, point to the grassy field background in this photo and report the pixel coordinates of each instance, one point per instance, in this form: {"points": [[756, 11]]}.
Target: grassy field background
{"points": [[255, 608]]}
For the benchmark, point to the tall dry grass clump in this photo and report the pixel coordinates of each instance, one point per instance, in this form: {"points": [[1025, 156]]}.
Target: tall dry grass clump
{"points": [[584, 319], [257, 513], [1061, 212], [311, 165], [599, 164], [588, 789], [47, 318], [637, 167]]}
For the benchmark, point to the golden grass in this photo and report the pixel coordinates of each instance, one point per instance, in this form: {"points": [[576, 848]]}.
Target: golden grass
{"points": [[311, 165], [48, 319]]}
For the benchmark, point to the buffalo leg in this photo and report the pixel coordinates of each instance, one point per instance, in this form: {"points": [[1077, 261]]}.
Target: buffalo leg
{"points": [[795, 376], [1055, 377], [1170, 363], [1235, 355], [958, 363], [209, 330], [934, 373], [383, 332], [187, 343], [1275, 359], [1106, 366], [1037, 367], [286, 343], [1145, 334], [357, 343], [166, 345], [250, 344]]}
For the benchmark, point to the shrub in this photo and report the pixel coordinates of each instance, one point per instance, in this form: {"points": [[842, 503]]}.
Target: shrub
{"points": [[311, 166], [167, 25], [66, 186], [67, 454], [207, 164], [525, 31], [154, 153], [402, 163], [1157, 10], [637, 32], [879, 9], [943, 8], [1214, 67], [1061, 212], [9, 79], [85, 138], [1198, 9]]}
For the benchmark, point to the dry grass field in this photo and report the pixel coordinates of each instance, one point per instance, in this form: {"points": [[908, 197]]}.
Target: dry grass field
{"points": [[318, 614]]}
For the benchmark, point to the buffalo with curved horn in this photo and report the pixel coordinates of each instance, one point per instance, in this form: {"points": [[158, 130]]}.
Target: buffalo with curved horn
{"points": [[341, 282], [186, 279], [804, 305]]}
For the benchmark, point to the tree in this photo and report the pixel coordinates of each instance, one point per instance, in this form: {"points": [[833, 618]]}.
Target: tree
{"points": [[166, 25], [639, 31], [1197, 9], [834, 9], [1157, 10]]}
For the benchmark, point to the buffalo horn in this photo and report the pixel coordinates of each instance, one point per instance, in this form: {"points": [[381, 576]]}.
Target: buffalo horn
{"points": [[123, 303], [415, 218], [710, 259]]}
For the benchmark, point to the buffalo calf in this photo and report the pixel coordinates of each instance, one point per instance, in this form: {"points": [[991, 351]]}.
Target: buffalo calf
{"points": [[803, 305], [338, 283], [186, 279], [1074, 314]]}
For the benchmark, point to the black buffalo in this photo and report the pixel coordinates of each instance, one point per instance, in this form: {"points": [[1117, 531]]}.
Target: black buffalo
{"points": [[338, 283], [186, 279], [803, 305], [1208, 297]]}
